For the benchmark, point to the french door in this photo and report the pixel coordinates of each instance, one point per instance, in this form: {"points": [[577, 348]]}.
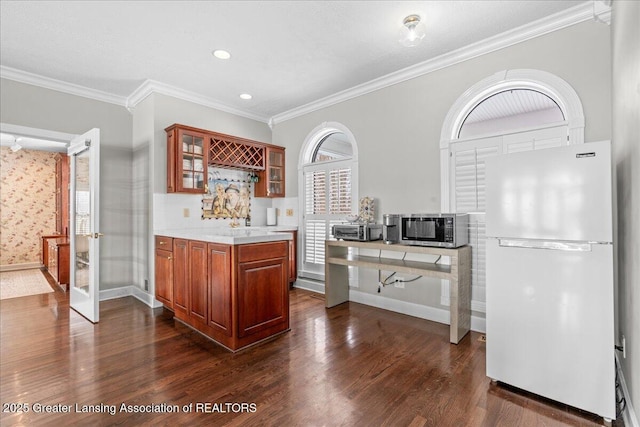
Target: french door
{"points": [[84, 152]]}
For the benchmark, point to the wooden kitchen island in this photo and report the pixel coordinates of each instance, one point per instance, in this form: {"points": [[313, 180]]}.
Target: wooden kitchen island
{"points": [[458, 273], [232, 285]]}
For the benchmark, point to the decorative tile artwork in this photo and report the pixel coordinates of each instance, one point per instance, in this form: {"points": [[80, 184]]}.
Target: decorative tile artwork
{"points": [[227, 198], [28, 197]]}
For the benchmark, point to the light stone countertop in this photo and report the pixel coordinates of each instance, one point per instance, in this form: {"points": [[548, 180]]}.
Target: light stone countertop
{"points": [[232, 236]]}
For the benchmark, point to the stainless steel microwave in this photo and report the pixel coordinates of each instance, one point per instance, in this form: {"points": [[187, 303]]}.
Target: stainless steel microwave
{"points": [[440, 230]]}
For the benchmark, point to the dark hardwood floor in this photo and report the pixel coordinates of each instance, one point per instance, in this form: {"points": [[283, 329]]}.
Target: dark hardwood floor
{"points": [[352, 365]]}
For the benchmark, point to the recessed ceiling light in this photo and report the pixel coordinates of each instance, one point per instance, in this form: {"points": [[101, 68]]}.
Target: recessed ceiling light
{"points": [[245, 96], [221, 54]]}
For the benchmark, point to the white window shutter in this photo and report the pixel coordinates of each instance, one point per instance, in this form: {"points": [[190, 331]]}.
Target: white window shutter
{"points": [[468, 188], [327, 199]]}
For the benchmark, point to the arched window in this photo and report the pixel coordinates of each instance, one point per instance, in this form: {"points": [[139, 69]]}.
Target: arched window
{"points": [[512, 110], [328, 171], [509, 111]]}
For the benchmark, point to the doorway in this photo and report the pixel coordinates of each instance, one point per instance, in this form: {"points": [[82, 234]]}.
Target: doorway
{"points": [[37, 217]]}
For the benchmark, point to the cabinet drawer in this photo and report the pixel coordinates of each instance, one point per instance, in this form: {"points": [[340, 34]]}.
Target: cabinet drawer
{"points": [[164, 243], [260, 251]]}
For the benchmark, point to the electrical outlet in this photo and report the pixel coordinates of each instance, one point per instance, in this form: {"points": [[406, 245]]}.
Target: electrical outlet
{"points": [[624, 347], [289, 212], [399, 283], [185, 212]]}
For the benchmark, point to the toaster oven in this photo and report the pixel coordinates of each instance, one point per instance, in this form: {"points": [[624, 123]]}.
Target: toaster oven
{"points": [[358, 231]]}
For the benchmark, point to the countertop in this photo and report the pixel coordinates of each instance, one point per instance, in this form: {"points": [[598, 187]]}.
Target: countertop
{"points": [[232, 236]]}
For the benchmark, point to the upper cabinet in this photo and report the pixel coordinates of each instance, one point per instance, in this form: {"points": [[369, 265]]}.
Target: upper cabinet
{"points": [[191, 151], [186, 160], [271, 180]]}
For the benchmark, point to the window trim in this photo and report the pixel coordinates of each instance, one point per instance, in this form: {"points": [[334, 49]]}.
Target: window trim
{"points": [[311, 142], [561, 92]]}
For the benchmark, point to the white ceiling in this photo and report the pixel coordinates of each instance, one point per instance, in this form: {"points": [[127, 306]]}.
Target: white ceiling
{"points": [[287, 54]]}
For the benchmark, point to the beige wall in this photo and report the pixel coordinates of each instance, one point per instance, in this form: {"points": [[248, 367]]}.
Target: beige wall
{"points": [[398, 128], [626, 157], [28, 200], [31, 106]]}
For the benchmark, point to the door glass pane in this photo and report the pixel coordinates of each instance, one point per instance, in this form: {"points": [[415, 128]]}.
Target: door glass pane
{"points": [[83, 226]]}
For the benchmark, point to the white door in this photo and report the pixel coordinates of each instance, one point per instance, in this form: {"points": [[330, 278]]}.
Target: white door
{"points": [[84, 152]]}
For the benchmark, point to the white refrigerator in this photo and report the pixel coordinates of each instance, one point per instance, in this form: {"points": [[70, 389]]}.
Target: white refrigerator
{"points": [[550, 308]]}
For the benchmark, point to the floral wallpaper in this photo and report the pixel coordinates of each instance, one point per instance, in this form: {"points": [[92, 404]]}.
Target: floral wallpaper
{"points": [[27, 203]]}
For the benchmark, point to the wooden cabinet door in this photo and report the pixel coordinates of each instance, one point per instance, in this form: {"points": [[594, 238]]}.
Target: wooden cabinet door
{"points": [[53, 260], [263, 287], [271, 182], [180, 277], [198, 280], [164, 277], [187, 160], [220, 298], [293, 248]]}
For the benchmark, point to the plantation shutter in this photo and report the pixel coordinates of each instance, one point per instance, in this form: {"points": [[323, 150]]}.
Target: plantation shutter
{"points": [[468, 188], [469, 172], [328, 199]]}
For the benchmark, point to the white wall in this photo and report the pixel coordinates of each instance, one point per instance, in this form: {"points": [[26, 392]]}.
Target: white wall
{"points": [[626, 156], [397, 128], [36, 107]]}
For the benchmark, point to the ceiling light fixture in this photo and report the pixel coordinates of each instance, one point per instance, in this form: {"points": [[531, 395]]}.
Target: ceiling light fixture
{"points": [[245, 96], [221, 54], [412, 31], [15, 147]]}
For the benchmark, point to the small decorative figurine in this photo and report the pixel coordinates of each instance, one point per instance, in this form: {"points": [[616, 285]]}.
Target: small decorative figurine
{"points": [[367, 213]]}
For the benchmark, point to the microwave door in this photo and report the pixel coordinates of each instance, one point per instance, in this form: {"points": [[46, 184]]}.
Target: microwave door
{"points": [[423, 229]]}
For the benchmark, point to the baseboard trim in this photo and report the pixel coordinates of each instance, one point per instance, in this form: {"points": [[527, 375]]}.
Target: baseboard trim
{"points": [[133, 291], [433, 314], [23, 266], [478, 324], [309, 285], [628, 415]]}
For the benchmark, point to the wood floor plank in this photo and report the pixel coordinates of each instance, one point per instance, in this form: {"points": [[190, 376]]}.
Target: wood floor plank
{"points": [[351, 365]]}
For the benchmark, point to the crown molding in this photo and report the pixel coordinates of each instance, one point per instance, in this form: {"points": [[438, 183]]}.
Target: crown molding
{"points": [[60, 86], [152, 86], [602, 11], [597, 10], [577, 14]]}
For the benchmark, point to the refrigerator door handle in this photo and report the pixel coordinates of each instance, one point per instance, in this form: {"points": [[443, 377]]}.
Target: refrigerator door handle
{"points": [[557, 245]]}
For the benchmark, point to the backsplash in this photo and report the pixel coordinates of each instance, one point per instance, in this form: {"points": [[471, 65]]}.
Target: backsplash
{"points": [[27, 178], [169, 210]]}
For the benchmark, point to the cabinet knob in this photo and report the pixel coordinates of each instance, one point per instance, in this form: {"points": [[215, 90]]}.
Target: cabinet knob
{"points": [[163, 243], [169, 258]]}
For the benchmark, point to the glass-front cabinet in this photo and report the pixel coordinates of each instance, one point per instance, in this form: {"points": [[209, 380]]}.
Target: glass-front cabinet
{"points": [[186, 161], [191, 151], [271, 182]]}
